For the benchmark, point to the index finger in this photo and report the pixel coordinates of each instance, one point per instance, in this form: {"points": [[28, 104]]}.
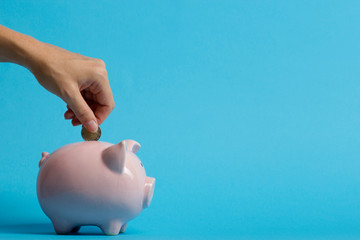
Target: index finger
{"points": [[103, 102]]}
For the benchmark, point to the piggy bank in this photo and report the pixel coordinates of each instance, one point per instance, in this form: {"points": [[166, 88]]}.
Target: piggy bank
{"points": [[93, 183]]}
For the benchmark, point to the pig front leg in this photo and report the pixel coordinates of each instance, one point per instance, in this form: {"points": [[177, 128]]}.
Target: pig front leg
{"points": [[112, 227], [62, 227], [123, 228]]}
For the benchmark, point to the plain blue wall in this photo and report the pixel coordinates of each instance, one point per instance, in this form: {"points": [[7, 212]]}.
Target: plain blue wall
{"points": [[248, 112]]}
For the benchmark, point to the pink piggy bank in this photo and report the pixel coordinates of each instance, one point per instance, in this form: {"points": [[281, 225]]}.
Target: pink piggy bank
{"points": [[93, 183]]}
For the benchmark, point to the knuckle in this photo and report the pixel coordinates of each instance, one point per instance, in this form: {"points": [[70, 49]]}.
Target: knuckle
{"points": [[98, 69], [100, 62], [101, 72]]}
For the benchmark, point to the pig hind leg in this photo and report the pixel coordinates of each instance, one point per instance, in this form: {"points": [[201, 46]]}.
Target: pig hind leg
{"points": [[111, 227]]}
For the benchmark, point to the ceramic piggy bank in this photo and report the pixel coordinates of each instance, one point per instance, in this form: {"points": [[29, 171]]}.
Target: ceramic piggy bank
{"points": [[93, 183]]}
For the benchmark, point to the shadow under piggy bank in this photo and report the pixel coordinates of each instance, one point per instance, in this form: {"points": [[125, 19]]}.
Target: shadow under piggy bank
{"points": [[48, 229], [27, 228]]}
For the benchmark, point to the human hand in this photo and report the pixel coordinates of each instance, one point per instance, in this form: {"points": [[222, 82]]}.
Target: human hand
{"points": [[80, 81]]}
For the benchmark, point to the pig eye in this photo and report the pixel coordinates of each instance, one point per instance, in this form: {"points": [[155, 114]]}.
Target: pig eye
{"points": [[141, 164]]}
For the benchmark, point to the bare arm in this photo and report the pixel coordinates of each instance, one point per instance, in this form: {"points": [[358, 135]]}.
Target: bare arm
{"points": [[80, 81]]}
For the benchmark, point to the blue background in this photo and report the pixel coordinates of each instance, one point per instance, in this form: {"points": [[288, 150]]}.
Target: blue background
{"points": [[248, 113]]}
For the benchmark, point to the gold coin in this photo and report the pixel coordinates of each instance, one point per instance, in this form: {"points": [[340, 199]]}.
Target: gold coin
{"points": [[90, 136]]}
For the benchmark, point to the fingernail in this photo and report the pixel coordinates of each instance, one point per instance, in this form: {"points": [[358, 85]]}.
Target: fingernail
{"points": [[91, 126]]}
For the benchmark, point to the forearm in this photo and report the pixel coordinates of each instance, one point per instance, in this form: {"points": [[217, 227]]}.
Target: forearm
{"points": [[17, 48]]}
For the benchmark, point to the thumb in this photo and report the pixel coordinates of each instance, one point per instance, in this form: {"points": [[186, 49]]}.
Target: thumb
{"points": [[83, 112]]}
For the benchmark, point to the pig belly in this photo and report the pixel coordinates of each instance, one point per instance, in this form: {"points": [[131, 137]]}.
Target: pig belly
{"points": [[84, 195], [83, 190]]}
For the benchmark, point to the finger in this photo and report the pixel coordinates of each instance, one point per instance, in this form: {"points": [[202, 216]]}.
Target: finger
{"points": [[104, 103], [75, 122], [69, 114], [82, 111], [102, 112]]}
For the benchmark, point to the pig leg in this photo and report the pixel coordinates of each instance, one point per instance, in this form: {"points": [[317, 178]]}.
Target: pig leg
{"points": [[111, 228], [123, 228], [63, 227]]}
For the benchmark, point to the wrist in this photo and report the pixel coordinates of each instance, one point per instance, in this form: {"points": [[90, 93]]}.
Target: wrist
{"points": [[18, 48], [27, 51]]}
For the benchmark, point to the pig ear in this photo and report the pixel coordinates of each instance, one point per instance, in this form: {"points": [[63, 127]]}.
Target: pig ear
{"points": [[114, 157], [45, 155], [132, 145]]}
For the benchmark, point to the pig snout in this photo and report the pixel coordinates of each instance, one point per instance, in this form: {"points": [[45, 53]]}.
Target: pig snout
{"points": [[148, 191]]}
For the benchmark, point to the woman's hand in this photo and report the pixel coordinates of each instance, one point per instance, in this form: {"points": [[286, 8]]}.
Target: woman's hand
{"points": [[80, 81]]}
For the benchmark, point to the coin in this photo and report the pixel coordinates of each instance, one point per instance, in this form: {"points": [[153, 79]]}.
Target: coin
{"points": [[90, 136]]}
